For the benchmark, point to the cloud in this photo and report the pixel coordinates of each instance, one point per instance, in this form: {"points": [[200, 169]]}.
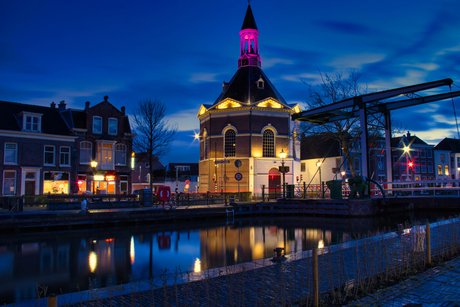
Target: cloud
{"points": [[203, 77], [270, 62], [356, 61], [185, 120], [309, 78]]}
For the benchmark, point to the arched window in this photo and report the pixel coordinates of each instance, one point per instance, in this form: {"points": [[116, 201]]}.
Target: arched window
{"points": [[86, 149], [230, 148], [269, 143], [205, 140]]}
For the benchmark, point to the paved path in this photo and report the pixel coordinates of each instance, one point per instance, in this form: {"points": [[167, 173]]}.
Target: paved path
{"points": [[439, 286]]}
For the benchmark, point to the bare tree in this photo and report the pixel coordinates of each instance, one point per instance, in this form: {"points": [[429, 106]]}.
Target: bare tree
{"points": [[346, 132], [154, 135]]}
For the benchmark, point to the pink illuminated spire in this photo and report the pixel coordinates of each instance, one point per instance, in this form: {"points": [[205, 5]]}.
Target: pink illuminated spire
{"points": [[249, 41]]}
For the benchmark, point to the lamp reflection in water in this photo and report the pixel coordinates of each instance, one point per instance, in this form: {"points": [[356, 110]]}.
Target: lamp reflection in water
{"points": [[92, 261], [197, 267], [131, 250]]}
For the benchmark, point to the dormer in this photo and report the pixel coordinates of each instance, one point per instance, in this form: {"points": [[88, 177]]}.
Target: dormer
{"points": [[260, 83], [30, 121]]}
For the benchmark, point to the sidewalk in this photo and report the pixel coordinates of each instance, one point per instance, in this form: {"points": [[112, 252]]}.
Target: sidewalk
{"points": [[439, 286]]}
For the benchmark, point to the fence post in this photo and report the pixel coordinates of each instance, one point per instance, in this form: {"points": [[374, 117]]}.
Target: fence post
{"points": [[304, 190], [52, 300], [428, 242], [315, 276]]}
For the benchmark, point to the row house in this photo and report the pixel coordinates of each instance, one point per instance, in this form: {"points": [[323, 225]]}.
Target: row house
{"points": [[141, 172], [104, 145], [38, 150], [54, 150], [447, 159]]}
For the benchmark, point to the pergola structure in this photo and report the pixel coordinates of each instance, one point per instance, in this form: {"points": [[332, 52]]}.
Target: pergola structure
{"points": [[368, 104]]}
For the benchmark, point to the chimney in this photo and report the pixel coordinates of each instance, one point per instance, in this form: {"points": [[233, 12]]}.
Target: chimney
{"points": [[106, 98], [408, 134], [61, 105], [53, 105], [225, 86], [123, 110], [86, 105]]}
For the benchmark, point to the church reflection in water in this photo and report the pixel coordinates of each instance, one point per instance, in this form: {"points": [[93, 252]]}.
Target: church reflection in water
{"points": [[99, 258]]}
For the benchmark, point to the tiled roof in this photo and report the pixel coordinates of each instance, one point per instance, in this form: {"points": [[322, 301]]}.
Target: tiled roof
{"points": [[449, 144], [243, 87], [51, 121]]}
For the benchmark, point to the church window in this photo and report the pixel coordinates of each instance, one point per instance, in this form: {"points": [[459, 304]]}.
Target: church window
{"points": [[230, 148], [269, 143]]}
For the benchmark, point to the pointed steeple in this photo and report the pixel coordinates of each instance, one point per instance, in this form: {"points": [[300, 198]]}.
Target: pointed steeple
{"points": [[249, 21], [249, 41]]}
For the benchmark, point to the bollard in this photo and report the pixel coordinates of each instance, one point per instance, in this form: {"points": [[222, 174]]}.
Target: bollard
{"points": [[278, 256], [315, 276], [428, 242], [52, 300]]}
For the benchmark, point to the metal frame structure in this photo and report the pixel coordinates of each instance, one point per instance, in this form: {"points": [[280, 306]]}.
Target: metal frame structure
{"points": [[368, 104]]}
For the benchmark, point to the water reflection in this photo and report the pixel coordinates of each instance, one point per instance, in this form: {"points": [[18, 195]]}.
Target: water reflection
{"points": [[63, 260]]}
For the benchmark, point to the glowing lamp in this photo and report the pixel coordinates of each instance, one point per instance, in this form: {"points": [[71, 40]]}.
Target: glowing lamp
{"points": [[110, 178], [93, 164], [282, 154]]}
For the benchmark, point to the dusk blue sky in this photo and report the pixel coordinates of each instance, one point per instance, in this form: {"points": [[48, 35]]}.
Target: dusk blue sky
{"points": [[180, 52]]}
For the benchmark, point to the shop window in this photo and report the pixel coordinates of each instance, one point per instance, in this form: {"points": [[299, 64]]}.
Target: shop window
{"points": [[269, 143], [64, 157], [56, 183], [81, 184], [11, 153], [49, 155], [230, 149], [97, 125], [113, 126], [86, 149], [9, 183], [120, 154]]}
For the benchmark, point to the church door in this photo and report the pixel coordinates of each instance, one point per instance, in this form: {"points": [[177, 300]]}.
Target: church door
{"points": [[274, 183]]}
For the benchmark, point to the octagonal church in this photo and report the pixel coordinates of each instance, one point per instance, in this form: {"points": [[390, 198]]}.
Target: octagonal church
{"points": [[249, 122]]}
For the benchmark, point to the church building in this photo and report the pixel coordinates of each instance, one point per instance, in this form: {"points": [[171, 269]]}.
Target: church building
{"points": [[250, 122]]}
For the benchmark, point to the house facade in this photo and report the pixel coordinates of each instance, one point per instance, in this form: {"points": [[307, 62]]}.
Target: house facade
{"points": [[104, 145], [38, 150], [243, 133]]}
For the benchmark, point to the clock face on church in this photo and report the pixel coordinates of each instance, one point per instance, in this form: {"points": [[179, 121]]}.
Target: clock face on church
{"points": [[245, 61]]}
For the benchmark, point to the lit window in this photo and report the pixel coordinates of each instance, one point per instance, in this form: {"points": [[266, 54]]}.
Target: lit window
{"points": [[269, 143], [9, 183], [447, 169], [230, 149], [120, 154], [439, 169], [113, 126], [97, 124], [64, 159], [49, 155], [11, 153], [86, 149], [105, 153]]}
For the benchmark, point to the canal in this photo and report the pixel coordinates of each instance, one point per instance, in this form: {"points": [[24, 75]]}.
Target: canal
{"points": [[68, 261]]}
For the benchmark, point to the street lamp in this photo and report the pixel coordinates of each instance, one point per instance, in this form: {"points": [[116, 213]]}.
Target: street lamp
{"points": [[94, 165], [282, 155], [318, 164]]}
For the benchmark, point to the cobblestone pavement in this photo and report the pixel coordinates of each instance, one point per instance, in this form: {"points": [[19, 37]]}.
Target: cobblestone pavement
{"points": [[439, 286]]}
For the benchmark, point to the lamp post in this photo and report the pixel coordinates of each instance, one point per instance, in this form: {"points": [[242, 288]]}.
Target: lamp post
{"points": [[282, 155], [318, 164], [94, 165], [406, 150]]}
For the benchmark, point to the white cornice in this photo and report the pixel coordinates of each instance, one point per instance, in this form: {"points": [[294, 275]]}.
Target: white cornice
{"points": [[37, 136]]}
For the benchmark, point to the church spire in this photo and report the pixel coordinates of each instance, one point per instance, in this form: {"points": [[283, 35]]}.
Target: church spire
{"points": [[249, 41]]}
